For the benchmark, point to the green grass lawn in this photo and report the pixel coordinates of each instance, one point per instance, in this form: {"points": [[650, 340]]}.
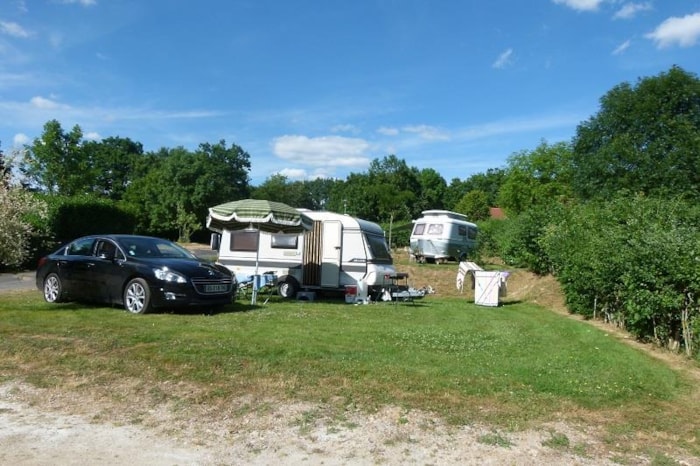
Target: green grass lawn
{"points": [[510, 366]]}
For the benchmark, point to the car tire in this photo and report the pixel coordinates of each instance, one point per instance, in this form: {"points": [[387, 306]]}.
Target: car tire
{"points": [[288, 288], [53, 288], [137, 296]]}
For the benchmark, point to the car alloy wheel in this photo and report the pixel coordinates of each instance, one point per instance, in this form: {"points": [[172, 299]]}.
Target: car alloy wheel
{"points": [[137, 296], [52, 288]]}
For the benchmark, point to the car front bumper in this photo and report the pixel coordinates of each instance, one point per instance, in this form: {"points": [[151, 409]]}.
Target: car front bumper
{"points": [[171, 296]]}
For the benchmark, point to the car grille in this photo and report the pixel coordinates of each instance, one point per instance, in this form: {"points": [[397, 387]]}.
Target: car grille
{"points": [[212, 286]]}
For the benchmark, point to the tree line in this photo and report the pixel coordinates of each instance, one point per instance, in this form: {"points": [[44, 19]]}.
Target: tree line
{"points": [[611, 213]]}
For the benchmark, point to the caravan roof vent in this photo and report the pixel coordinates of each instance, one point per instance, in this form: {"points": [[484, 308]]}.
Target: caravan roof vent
{"points": [[444, 213]]}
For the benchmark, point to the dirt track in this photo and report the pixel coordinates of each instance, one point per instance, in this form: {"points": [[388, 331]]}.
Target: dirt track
{"points": [[39, 429]]}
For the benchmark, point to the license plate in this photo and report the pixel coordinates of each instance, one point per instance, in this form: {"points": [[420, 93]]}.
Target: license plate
{"points": [[215, 288]]}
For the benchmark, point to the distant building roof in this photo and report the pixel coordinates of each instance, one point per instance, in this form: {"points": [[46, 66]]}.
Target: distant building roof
{"points": [[497, 213]]}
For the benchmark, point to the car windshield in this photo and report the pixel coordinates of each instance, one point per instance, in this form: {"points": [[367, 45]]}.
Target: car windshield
{"points": [[153, 247]]}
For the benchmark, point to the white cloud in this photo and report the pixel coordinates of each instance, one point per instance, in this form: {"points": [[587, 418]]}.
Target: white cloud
{"points": [[13, 29], [580, 5], [683, 31], [80, 2], [333, 151], [293, 173], [44, 103], [92, 136], [503, 59], [35, 112], [19, 140], [345, 129], [386, 131], [56, 40], [301, 174], [13, 79], [630, 10], [427, 132], [518, 125], [622, 47]]}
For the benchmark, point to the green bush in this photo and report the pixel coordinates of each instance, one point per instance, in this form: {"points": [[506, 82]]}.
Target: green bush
{"points": [[636, 262], [72, 217], [22, 216], [519, 240], [489, 232]]}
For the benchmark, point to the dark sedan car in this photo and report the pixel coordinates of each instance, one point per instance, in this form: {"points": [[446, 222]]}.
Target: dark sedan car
{"points": [[139, 272]]}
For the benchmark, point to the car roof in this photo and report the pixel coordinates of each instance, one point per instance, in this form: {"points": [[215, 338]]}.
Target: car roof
{"points": [[120, 236]]}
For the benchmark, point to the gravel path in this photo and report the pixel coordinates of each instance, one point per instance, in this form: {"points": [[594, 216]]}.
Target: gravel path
{"points": [[37, 428]]}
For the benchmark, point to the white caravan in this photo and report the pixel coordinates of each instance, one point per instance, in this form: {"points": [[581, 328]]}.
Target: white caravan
{"points": [[338, 250], [441, 235]]}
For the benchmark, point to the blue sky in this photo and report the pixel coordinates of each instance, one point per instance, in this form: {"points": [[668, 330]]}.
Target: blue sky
{"points": [[321, 88]]}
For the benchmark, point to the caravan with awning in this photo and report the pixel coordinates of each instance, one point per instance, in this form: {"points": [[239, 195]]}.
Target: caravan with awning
{"points": [[335, 251]]}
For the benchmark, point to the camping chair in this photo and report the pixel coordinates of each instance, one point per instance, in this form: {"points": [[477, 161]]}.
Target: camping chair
{"points": [[266, 286]]}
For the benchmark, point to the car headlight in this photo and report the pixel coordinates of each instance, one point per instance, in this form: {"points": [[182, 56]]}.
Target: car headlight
{"points": [[168, 275]]}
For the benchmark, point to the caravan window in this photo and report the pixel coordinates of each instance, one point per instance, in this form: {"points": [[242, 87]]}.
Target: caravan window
{"points": [[462, 230], [282, 241], [472, 233], [435, 229], [243, 240], [378, 247], [419, 229]]}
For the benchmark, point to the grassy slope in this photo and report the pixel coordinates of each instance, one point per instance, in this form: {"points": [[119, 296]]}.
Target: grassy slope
{"points": [[511, 366]]}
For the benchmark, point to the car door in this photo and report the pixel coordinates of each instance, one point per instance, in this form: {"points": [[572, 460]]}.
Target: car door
{"points": [[108, 271], [74, 268]]}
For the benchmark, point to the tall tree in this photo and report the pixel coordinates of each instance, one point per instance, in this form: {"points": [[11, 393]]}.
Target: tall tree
{"points": [[56, 163], [307, 194], [432, 192], [319, 192], [112, 161], [355, 197], [538, 177], [182, 185], [278, 188], [645, 139], [489, 183], [474, 205], [394, 187], [454, 193], [227, 172]]}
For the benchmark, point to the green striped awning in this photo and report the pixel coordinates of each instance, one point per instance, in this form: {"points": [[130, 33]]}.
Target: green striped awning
{"points": [[258, 214]]}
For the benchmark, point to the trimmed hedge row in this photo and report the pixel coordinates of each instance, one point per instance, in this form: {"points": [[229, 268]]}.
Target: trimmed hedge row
{"points": [[71, 217], [633, 261]]}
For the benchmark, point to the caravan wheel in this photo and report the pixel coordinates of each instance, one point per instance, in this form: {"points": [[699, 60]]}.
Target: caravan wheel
{"points": [[288, 288]]}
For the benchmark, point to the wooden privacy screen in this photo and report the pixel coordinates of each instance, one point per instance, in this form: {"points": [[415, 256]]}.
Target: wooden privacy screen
{"points": [[311, 262]]}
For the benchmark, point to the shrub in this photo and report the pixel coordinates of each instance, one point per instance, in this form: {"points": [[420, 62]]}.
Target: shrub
{"points": [[634, 260], [72, 217], [519, 241], [21, 215]]}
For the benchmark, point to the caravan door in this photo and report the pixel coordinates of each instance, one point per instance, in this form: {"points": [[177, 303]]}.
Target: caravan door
{"points": [[331, 253]]}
